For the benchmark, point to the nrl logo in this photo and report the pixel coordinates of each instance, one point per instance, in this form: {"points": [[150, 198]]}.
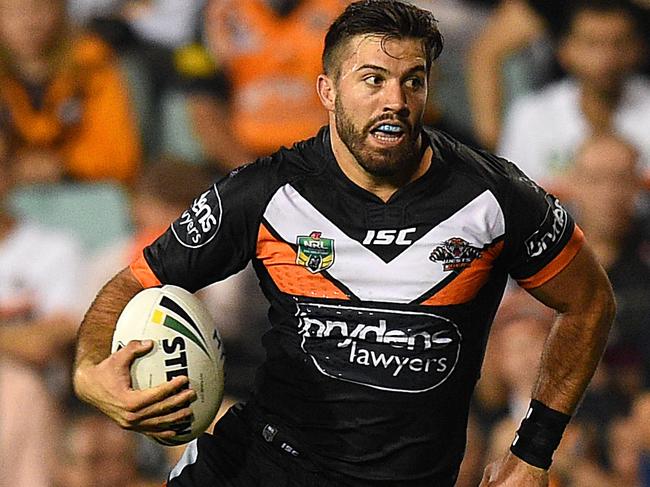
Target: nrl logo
{"points": [[455, 254], [315, 253]]}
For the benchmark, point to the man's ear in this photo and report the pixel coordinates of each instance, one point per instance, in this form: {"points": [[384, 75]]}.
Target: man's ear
{"points": [[326, 91]]}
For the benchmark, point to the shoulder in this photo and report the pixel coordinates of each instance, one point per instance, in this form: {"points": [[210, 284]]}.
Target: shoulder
{"points": [[485, 171], [306, 158], [477, 163]]}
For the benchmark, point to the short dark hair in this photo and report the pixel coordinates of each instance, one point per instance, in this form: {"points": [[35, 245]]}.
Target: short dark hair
{"points": [[577, 7], [390, 19]]}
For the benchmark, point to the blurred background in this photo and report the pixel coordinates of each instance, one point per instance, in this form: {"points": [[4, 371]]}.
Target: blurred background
{"points": [[114, 114]]}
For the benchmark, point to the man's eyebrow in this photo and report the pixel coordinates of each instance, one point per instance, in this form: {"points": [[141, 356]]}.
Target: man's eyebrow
{"points": [[374, 67]]}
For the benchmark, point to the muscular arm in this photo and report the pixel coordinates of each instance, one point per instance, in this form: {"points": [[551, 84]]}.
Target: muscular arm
{"points": [[39, 341], [583, 298], [96, 330], [103, 379]]}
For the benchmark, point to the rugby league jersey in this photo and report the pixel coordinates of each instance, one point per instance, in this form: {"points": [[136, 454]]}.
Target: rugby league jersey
{"points": [[380, 311]]}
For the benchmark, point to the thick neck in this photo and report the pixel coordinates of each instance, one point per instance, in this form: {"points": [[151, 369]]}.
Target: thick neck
{"points": [[599, 106], [382, 187]]}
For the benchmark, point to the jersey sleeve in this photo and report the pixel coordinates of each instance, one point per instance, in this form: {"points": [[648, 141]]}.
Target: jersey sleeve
{"points": [[541, 236], [211, 240]]}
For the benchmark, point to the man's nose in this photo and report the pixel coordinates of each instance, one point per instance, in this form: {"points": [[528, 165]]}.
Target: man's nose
{"points": [[395, 99]]}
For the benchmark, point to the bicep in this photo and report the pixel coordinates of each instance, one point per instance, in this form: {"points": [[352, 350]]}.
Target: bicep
{"points": [[579, 287]]}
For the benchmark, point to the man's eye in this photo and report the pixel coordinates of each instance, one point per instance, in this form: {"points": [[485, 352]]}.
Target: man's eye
{"points": [[414, 83], [373, 80]]}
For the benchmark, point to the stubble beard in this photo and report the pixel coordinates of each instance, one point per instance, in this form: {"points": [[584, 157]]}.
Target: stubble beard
{"points": [[378, 162]]}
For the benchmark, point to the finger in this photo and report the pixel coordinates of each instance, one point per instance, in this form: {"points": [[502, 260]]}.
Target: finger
{"points": [[167, 422], [137, 400], [161, 435], [134, 349], [168, 405]]}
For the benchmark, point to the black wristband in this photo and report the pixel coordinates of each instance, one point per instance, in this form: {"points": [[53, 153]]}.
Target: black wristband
{"points": [[539, 434]]}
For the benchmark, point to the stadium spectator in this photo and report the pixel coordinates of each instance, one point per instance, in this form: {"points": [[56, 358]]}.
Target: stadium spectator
{"points": [[641, 415], [624, 451], [39, 271], [169, 23], [606, 190], [64, 109], [270, 52], [601, 49], [28, 434], [96, 452], [36, 318], [461, 22], [512, 27]]}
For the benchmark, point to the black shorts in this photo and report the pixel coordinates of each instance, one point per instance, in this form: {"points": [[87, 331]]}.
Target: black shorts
{"points": [[244, 452]]}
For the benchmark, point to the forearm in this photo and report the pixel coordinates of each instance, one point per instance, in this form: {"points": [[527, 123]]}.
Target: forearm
{"points": [[485, 94], [486, 60], [36, 342], [96, 330], [572, 352]]}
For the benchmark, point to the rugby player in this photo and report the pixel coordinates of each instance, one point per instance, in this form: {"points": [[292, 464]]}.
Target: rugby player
{"points": [[384, 249]]}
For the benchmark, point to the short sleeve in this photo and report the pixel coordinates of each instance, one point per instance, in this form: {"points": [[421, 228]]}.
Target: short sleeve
{"points": [[211, 240], [541, 236]]}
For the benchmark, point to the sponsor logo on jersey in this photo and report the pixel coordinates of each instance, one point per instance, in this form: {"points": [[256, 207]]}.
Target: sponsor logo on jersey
{"points": [[551, 229], [389, 237], [392, 350], [315, 252], [199, 224], [455, 254]]}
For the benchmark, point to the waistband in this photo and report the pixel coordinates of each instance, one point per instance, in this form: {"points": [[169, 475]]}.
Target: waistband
{"points": [[271, 432]]}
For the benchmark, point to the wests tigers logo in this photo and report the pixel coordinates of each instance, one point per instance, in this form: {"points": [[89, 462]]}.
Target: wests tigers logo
{"points": [[455, 254]]}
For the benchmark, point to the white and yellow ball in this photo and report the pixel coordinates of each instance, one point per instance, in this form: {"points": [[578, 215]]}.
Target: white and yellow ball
{"points": [[186, 342]]}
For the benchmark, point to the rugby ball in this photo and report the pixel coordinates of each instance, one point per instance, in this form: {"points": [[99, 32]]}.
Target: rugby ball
{"points": [[186, 342]]}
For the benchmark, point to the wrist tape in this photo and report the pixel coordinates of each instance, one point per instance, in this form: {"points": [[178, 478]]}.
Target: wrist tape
{"points": [[539, 435]]}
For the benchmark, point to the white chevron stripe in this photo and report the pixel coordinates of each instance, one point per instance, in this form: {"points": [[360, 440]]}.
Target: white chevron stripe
{"points": [[189, 457], [409, 275]]}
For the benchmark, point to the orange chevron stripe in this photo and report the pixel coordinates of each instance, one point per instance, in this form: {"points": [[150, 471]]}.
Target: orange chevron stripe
{"points": [[468, 283], [143, 273], [279, 258], [560, 261]]}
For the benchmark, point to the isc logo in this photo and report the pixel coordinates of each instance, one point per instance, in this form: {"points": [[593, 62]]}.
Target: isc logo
{"points": [[388, 237]]}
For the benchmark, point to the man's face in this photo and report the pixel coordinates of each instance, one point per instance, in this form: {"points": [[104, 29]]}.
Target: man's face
{"points": [[605, 185], [28, 26], [601, 49], [381, 90]]}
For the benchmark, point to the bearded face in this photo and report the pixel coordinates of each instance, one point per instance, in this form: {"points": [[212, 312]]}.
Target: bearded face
{"points": [[381, 93], [377, 160]]}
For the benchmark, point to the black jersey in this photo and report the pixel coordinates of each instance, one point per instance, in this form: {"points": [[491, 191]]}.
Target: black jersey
{"points": [[380, 312]]}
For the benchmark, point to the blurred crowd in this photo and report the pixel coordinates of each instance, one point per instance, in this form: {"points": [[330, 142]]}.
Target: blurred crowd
{"points": [[114, 114]]}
